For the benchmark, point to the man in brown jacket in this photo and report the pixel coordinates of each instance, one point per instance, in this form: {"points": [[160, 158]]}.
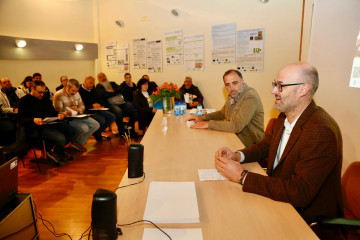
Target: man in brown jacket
{"points": [[304, 150], [242, 113]]}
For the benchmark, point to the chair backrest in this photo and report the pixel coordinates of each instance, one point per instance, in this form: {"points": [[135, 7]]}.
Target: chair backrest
{"points": [[351, 190]]}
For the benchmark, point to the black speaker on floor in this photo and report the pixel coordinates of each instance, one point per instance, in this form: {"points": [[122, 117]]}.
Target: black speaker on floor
{"points": [[103, 215], [135, 160]]}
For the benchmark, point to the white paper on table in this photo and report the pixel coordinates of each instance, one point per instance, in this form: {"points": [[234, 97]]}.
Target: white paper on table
{"points": [[205, 111], [175, 234], [172, 202], [189, 123], [210, 175], [81, 116]]}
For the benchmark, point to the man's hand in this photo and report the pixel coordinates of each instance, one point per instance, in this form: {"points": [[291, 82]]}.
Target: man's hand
{"points": [[202, 124], [97, 105], [61, 116], [195, 118], [110, 90], [68, 113], [194, 104], [39, 121], [16, 110], [228, 154], [154, 110], [228, 168], [75, 109]]}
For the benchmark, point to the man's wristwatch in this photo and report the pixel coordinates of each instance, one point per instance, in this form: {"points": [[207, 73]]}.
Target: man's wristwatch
{"points": [[242, 177]]}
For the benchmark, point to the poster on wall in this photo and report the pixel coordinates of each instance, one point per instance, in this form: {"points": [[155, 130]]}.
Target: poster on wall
{"points": [[223, 43], [174, 47], [355, 72], [122, 54], [194, 52], [110, 53], [139, 53], [154, 56], [250, 50]]}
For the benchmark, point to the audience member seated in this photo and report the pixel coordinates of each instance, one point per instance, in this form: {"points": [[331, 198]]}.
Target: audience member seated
{"points": [[111, 95], [152, 85], [194, 95], [91, 101], [304, 150], [26, 85], [33, 108], [128, 88], [48, 94], [141, 99], [242, 113], [68, 101], [63, 81], [9, 96]]}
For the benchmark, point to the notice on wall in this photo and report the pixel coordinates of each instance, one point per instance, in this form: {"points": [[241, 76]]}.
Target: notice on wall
{"points": [[355, 72], [250, 50], [223, 43], [174, 47], [194, 52], [139, 53], [154, 56], [110, 54], [122, 55]]}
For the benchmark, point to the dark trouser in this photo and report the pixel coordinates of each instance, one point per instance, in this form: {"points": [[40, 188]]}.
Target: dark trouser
{"points": [[105, 118], [121, 111], [145, 119], [57, 135]]}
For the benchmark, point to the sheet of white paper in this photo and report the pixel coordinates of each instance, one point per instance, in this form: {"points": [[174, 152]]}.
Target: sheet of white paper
{"points": [[99, 109], [189, 123], [210, 175], [73, 112], [175, 234], [172, 202], [50, 119], [205, 111]]}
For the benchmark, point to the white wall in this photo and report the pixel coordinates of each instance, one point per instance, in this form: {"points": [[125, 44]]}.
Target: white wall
{"points": [[281, 20], [335, 27], [67, 20]]}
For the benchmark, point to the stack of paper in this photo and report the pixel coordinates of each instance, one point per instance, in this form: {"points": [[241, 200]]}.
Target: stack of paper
{"points": [[172, 202]]}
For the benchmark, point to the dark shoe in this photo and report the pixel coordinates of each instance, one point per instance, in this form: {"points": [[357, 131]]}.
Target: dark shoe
{"points": [[78, 147], [106, 137], [56, 159], [97, 137]]}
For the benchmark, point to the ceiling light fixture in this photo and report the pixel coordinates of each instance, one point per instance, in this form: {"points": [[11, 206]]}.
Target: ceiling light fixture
{"points": [[79, 47], [20, 43]]}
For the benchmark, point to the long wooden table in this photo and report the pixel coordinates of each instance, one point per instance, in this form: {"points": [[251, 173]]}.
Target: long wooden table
{"points": [[174, 152]]}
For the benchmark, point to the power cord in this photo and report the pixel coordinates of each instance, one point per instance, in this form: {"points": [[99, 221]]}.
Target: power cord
{"points": [[128, 224], [131, 183]]}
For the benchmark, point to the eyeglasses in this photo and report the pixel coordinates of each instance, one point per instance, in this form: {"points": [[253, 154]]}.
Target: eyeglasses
{"points": [[40, 92], [280, 86]]}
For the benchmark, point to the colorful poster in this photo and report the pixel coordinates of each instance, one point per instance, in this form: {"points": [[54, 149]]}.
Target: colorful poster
{"points": [[223, 43], [174, 47], [139, 53], [122, 55], [154, 56], [194, 52]]}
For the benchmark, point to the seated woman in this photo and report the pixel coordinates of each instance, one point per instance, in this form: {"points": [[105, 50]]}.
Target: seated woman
{"points": [[141, 99], [25, 85]]}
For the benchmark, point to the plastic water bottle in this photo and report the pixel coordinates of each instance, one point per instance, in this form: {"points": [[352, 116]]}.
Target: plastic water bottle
{"points": [[183, 106], [199, 110], [177, 109]]}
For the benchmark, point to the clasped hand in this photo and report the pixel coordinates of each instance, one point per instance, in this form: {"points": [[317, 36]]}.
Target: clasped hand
{"points": [[227, 163]]}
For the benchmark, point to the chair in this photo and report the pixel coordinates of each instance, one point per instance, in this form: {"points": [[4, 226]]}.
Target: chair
{"points": [[263, 163], [351, 200]]}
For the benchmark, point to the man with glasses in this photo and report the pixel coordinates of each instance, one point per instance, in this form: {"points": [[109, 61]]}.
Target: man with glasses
{"points": [[304, 151], [242, 113], [33, 108]]}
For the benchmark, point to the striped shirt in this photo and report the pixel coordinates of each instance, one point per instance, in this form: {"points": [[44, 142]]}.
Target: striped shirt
{"points": [[62, 100]]}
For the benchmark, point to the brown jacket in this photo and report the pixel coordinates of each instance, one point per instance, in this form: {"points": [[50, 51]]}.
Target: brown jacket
{"points": [[245, 117], [308, 175]]}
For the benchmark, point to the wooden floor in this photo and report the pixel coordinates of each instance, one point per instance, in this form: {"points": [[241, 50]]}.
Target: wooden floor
{"points": [[63, 195]]}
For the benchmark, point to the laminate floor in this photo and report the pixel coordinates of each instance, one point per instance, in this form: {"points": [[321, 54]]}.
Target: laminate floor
{"points": [[63, 195]]}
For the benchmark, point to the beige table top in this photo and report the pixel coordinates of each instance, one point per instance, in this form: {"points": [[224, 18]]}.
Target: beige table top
{"points": [[174, 152]]}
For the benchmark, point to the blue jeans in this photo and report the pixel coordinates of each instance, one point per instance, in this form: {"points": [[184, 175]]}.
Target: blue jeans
{"points": [[85, 127], [104, 118]]}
